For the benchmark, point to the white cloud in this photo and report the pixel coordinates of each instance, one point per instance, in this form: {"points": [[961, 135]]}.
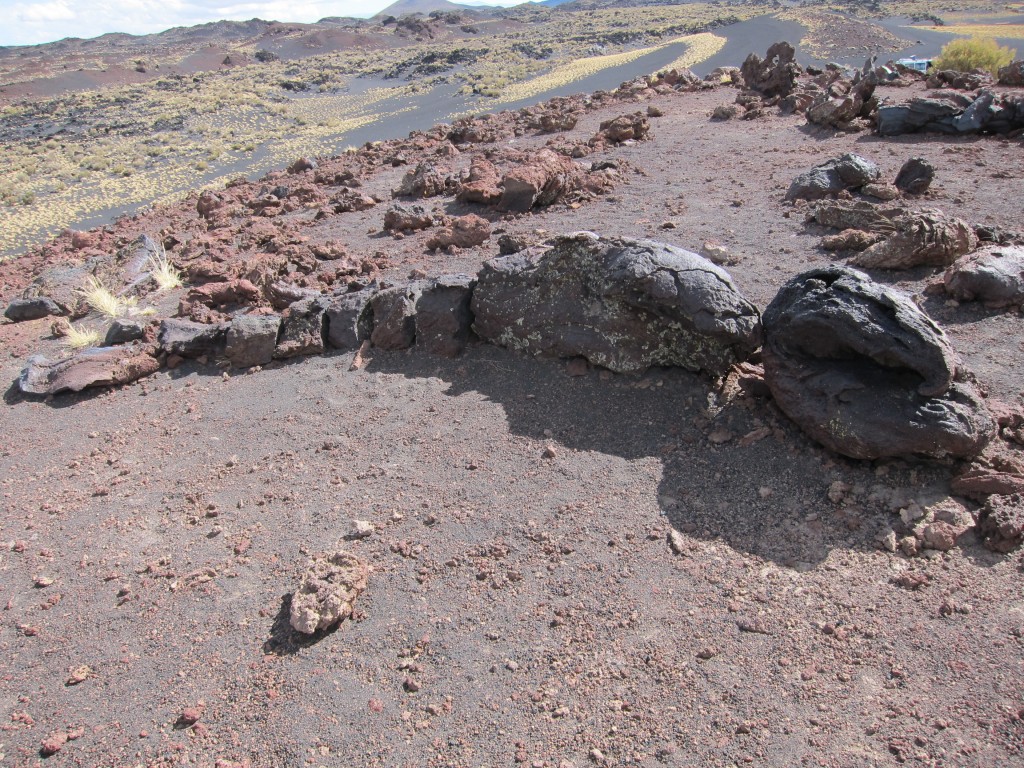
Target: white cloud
{"points": [[40, 21]]}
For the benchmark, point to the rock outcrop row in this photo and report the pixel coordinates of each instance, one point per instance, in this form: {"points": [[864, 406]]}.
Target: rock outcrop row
{"points": [[856, 365]]}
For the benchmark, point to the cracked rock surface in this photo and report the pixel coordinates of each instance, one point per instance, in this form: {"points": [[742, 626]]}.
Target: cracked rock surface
{"points": [[588, 294], [866, 373]]}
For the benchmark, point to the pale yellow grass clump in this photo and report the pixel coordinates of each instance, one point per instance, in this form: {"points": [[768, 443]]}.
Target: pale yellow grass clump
{"points": [[102, 300], [700, 47], [1005, 31], [569, 73], [163, 272], [78, 337]]}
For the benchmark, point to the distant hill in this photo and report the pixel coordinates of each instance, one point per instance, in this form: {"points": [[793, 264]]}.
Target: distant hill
{"points": [[406, 7]]}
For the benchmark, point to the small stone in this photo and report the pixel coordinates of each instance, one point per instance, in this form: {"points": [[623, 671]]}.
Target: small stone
{"points": [[79, 675], [43, 581], [511, 666], [715, 252], [52, 744], [720, 436], [411, 685], [549, 452], [676, 541], [707, 653], [908, 545], [940, 536], [360, 529]]}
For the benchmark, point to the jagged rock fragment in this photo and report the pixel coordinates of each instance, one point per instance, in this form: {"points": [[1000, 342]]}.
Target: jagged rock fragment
{"points": [[37, 307], [847, 172], [463, 232], [775, 75], [403, 218], [123, 330], [189, 339], [927, 237], [350, 319], [394, 316], [329, 587], [443, 316], [1001, 522], [302, 329], [915, 176], [252, 339]]}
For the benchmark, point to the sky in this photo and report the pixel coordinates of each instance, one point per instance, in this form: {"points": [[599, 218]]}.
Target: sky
{"points": [[27, 22]]}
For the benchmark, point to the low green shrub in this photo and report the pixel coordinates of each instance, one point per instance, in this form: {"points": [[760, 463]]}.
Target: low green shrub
{"points": [[975, 53]]}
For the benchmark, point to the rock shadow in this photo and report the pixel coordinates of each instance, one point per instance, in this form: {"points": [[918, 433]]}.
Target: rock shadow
{"points": [[734, 470]]}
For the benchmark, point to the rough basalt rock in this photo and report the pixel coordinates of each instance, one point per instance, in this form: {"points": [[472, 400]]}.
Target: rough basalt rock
{"points": [[1001, 522], [349, 318], [402, 218], [993, 275], [443, 316], [960, 81], [350, 200], [850, 240], [863, 371], [622, 304], [252, 339], [188, 339], [547, 178], [123, 330], [483, 184], [775, 75], [35, 308], [394, 316], [915, 176], [425, 181], [925, 238], [846, 172], [955, 113], [96, 367], [1012, 74], [329, 587], [633, 127], [302, 329], [221, 294]]}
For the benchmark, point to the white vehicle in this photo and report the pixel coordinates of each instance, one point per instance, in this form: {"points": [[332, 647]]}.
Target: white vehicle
{"points": [[919, 65]]}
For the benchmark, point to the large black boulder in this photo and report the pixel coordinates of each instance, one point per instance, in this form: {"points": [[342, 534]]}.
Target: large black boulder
{"points": [[620, 303], [863, 371]]}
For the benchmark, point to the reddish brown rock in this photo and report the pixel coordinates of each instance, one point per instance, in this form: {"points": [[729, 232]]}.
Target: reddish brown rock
{"points": [[231, 292], [405, 218], [463, 232], [482, 185], [1001, 522], [97, 367], [624, 128]]}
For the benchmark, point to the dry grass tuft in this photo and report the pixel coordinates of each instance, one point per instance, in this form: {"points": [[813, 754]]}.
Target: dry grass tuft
{"points": [[163, 272], [102, 300], [78, 337]]}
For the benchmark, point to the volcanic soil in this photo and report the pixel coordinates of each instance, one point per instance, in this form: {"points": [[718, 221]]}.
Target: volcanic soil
{"points": [[567, 570]]}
